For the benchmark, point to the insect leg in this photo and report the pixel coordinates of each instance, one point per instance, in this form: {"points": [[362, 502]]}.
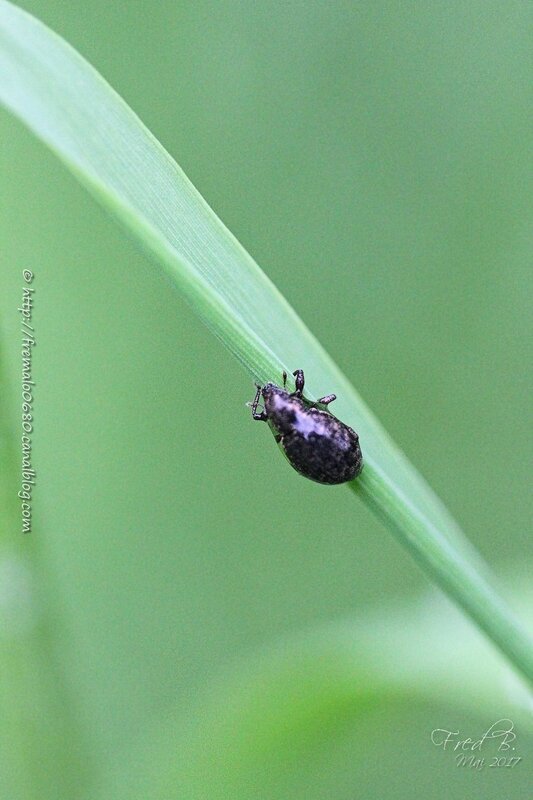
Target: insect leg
{"points": [[329, 398], [284, 378], [299, 375], [258, 415]]}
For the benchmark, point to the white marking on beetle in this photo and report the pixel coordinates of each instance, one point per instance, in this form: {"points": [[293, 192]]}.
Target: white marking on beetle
{"points": [[306, 424]]}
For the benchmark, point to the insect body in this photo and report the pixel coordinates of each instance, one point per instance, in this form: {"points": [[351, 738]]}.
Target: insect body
{"points": [[316, 444]]}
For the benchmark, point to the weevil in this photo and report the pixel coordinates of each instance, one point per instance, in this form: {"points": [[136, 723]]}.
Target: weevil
{"points": [[318, 445]]}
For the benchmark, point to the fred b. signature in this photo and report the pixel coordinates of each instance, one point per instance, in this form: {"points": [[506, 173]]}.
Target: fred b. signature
{"points": [[475, 753]]}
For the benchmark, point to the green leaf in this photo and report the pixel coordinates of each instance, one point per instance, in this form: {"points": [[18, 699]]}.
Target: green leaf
{"points": [[66, 103], [274, 725]]}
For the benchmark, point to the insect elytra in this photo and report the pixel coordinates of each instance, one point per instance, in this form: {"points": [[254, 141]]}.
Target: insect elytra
{"points": [[317, 444]]}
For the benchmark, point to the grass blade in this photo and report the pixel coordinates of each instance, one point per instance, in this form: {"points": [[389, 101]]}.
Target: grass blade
{"points": [[70, 107]]}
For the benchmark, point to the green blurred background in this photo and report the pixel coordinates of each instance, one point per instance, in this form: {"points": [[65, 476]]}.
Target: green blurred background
{"points": [[373, 157]]}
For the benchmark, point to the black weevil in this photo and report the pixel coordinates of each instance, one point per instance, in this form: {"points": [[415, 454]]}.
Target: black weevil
{"points": [[316, 444]]}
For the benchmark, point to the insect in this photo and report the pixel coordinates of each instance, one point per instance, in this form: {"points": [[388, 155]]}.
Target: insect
{"points": [[318, 445]]}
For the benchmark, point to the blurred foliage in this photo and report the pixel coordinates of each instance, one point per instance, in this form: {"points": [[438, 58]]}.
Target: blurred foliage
{"points": [[393, 138]]}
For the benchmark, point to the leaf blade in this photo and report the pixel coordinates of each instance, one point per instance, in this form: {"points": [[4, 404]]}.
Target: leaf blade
{"points": [[71, 108]]}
